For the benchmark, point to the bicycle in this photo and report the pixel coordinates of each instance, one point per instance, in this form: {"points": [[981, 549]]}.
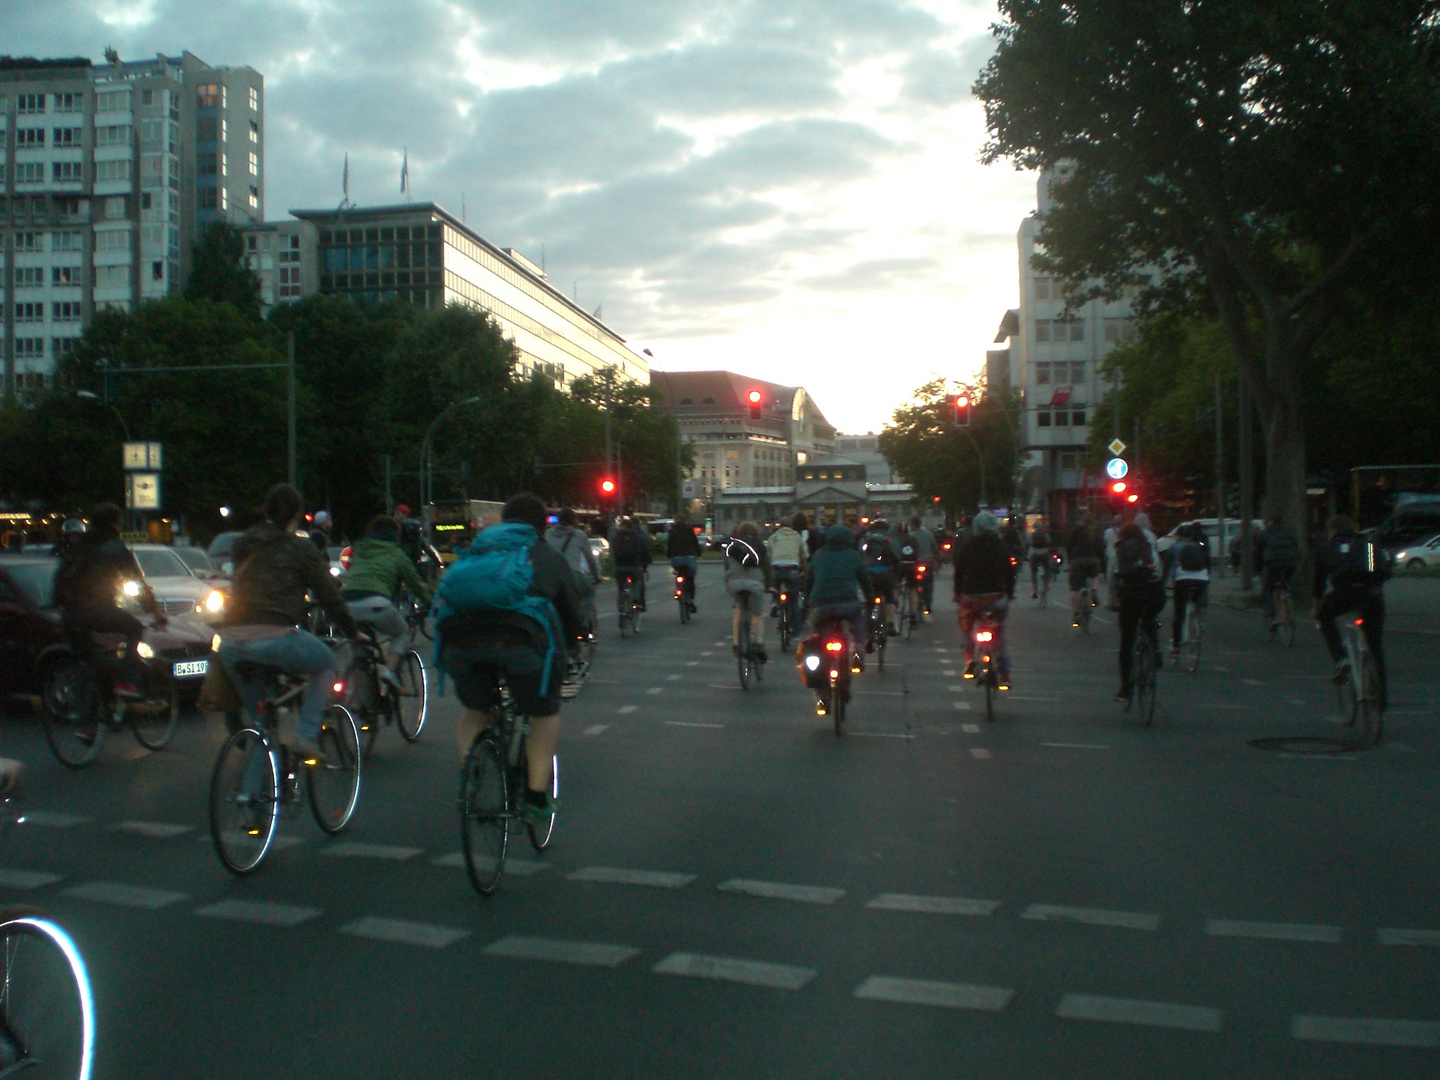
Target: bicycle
{"points": [[682, 597], [906, 612], [985, 643], [256, 778], [80, 707], [1282, 626], [878, 630], [787, 598], [492, 794], [627, 607], [826, 668], [1358, 691], [749, 667], [1191, 636], [1047, 574], [1087, 605], [1144, 666], [47, 1010], [374, 701]]}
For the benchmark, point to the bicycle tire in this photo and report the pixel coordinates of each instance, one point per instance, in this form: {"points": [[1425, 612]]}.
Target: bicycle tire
{"points": [[1285, 628], [47, 1010], [154, 728], [837, 705], [484, 813], [1191, 642], [1143, 670], [987, 677], [413, 706], [880, 635], [742, 654], [1085, 613], [684, 603], [361, 695], [244, 800], [624, 607], [70, 696], [1348, 700], [334, 785], [543, 833], [1370, 711]]}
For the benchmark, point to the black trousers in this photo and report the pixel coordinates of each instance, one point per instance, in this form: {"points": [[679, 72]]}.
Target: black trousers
{"points": [[1367, 601], [1137, 605], [1187, 592], [81, 622]]}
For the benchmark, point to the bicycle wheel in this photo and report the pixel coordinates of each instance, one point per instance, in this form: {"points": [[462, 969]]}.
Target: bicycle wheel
{"points": [[623, 613], [1285, 617], [544, 832], [742, 656], [1370, 711], [361, 696], [484, 813], [1144, 674], [71, 699], [988, 678], [244, 800], [1348, 699], [881, 633], [153, 722], [47, 1015], [1190, 643], [414, 701], [1085, 612], [837, 704], [334, 785], [1044, 597]]}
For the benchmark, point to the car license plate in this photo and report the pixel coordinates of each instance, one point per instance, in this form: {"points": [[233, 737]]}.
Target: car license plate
{"points": [[189, 669]]}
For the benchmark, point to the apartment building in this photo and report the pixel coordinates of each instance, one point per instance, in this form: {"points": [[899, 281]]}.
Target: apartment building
{"points": [[106, 174]]}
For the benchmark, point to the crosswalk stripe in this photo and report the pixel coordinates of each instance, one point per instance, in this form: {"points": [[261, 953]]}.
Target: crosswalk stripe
{"points": [[1147, 1013], [1408, 937], [1328, 935], [404, 932], [927, 992], [933, 905], [268, 913], [730, 969], [156, 830], [1370, 1031], [513, 867], [1128, 920], [27, 879], [590, 953], [775, 890], [618, 875], [139, 896], [54, 820], [355, 849]]}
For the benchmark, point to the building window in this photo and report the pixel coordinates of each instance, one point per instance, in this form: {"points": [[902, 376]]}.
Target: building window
{"points": [[66, 136], [67, 311], [1042, 418], [1077, 417], [64, 275], [207, 95], [1043, 374], [208, 198], [112, 101], [113, 135], [254, 163], [1070, 460], [254, 102], [145, 200], [1042, 288], [29, 172], [1042, 329], [1117, 330], [1077, 373], [111, 170], [62, 347], [254, 198], [112, 277], [29, 277], [29, 241], [29, 312], [147, 97], [29, 348], [1077, 330], [66, 241], [66, 172], [30, 103], [157, 270], [112, 240]]}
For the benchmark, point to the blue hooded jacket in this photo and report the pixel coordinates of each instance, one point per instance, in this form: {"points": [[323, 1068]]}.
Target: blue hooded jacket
{"points": [[836, 574]]}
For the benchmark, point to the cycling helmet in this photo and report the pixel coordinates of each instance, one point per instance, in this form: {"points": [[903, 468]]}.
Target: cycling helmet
{"points": [[73, 527], [985, 523], [322, 518]]}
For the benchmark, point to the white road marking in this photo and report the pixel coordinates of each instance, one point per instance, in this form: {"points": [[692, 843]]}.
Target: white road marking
{"points": [[1329, 935], [513, 867], [720, 643], [692, 663], [156, 830], [1294, 701], [355, 849], [707, 652], [54, 820], [111, 892], [259, 911], [1129, 1011], [589, 953], [979, 753], [882, 735], [1408, 937], [626, 710], [729, 969], [1370, 1031], [689, 723], [674, 678], [933, 905], [925, 992], [655, 690], [962, 706], [722, 686], [1253, 682], [970, 729], [1127, 920], [1075, 746], [618, 875], [404, 932], [595, 729], [951, 674], [1025, 697], [953, 689], [27, 879], [776, 890]]}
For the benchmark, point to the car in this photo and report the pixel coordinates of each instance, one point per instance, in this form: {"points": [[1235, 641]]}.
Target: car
{"points": [[1418, 557], [177, 590], [32, 638], [1411, 524], [600, 546], [1212, 535], [199, 563]]}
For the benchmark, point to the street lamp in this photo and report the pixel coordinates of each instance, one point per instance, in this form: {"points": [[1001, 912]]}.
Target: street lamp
{"points": [[90, 395], [428, 466]]}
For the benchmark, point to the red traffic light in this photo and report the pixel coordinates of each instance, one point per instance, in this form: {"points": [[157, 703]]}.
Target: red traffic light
{"points": [[1118, 487], [754, 397], [1132, 498], [607, 486], [960, 410]]}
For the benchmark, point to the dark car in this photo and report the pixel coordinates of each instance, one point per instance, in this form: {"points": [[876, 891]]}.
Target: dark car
{"points": [[31, 638]]}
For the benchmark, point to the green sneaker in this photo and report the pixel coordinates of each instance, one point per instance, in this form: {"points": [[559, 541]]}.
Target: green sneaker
{"points": [[540, 813]]}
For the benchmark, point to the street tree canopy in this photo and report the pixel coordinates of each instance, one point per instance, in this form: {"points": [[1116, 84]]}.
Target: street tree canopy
{"points": [[1242, 159]]}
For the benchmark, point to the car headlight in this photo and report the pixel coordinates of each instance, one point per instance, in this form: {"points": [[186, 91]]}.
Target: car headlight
{"points": [[131, 589], [215, 643], [145, 651], [215, 602], [334, 571], [1401, 556]]}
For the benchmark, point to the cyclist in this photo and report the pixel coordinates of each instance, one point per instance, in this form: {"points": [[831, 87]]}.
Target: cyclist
{"points": [[70, 541], [320, 527], [1112, 537], [274, 569], [1187, 563], [1085, 554], [1355, 569], [787, 562], [1278, 556], [379, 568], [570, 541], [683, 547], [747, 571], [630, 554], [927, 550], [984, 582], [10, 770], [478, 643], [1139, 592], [882, 563], [1043, 541], [837, 586], [88, 586]]}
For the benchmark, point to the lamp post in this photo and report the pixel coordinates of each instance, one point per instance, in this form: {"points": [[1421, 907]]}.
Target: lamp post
{"points": [[90, 395], [427, 468]]}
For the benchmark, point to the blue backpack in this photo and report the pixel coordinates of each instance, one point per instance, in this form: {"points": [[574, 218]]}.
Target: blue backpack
{"points": [[496, 575]]}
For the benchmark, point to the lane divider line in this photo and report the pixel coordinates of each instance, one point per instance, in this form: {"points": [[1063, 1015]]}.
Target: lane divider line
{"points": [[942, 994], [933, 905], [1147, 1013], [731, 969], [556, 951], [776, 890], [1126, 920]]}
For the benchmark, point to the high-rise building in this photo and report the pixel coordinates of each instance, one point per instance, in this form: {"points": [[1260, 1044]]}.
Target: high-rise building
{"points": [[107, 172]]}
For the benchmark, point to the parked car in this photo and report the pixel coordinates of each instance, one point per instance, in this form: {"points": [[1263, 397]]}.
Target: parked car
{"points": [[220, 550], [31, 637], [177, 590], [1424, 555], [1409, 525], [600, 546], [1212, 536]]}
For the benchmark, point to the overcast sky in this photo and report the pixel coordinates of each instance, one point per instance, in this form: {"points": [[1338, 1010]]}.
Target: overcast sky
{"points": [[784, 188]]}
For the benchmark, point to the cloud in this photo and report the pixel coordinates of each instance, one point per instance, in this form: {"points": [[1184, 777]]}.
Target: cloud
{"points": [[878, 273], [943, 77]]}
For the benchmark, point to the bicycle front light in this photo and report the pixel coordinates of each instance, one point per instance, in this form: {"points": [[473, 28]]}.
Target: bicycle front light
{"points": [[145, 651], [812, 662]]}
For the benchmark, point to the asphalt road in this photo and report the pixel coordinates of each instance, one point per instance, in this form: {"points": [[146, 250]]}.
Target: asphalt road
{"points": [[734, 891]]}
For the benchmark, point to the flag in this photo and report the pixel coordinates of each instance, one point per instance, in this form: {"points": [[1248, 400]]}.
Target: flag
{"points": [[345, 178], [405, 172]]}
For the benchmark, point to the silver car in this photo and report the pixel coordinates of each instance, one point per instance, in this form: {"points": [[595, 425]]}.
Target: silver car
{"points": [[1419, 556], [177, 590]]}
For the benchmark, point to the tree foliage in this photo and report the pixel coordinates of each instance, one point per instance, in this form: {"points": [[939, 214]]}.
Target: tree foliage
{"points": [[218, 271]]}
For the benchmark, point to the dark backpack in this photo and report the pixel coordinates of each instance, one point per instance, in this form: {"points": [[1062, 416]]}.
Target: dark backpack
{"points": [[1281, 551], [1362, 561], [879, 554], [742, 552], [1133, 563], [627, 549], [1191, 555]]}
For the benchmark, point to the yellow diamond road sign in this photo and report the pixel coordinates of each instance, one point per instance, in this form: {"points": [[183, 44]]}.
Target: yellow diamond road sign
{"points": [[1117, 447]]}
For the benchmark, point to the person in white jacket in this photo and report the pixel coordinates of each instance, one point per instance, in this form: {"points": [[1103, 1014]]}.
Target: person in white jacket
{"points": [[787, 562]]}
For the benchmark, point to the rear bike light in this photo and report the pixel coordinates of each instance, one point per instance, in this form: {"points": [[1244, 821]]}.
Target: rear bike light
{"points": [[984, 635], [1359, 622], [834, 674], [783, 598], [834, 646], [339, 688]]}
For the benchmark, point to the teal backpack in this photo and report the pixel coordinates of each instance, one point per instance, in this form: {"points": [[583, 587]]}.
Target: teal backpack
{"points": [[495, 575]]}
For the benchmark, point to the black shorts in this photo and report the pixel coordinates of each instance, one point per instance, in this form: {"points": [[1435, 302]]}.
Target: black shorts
{"points": [[1082, 568], [476, 671]]}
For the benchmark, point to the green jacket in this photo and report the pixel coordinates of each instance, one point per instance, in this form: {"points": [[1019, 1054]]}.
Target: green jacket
{"points": [[381, 566]]}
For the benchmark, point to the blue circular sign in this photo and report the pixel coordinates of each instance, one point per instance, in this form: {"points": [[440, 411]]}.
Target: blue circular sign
{"points": [[1116, 468]]}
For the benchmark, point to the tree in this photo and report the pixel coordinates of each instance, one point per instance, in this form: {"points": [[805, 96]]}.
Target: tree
{"points": [[937, 459], [218, 271], [1263, 157]]}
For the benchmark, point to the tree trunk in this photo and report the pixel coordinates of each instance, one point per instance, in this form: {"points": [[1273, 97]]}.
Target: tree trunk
{"points": [[1285, 463]]}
